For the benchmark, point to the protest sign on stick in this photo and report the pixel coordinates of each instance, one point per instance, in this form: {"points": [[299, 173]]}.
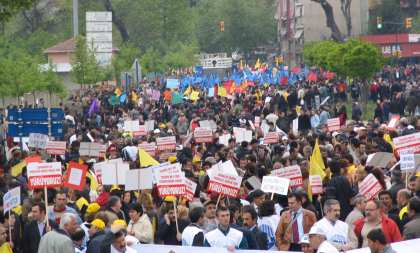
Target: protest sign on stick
{"points": [[44, 175], [225, 184], [333, 124], [37, 140], [315, 182], [169, 179], [11, 200], [139, 179], [370, 187], [411, 141], [275, 184], [76, 176], [291, 172], [203, 135], [166, 143], [56, 147]]}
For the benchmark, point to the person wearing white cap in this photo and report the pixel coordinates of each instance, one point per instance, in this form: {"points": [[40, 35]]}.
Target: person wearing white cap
{"points": [[305, 244], [318, 240]]}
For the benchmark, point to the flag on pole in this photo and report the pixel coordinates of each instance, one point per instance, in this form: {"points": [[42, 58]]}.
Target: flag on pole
{"points": [[146, 159], [93, 107], [316, 165]]}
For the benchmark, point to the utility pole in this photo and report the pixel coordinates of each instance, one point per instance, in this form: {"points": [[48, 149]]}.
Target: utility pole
{"points": [[75, 18]]}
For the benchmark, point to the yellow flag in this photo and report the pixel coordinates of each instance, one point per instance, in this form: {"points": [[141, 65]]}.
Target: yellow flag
{"points": [[117, 92], [195, 95], [93, 181], [221, 91], [134, 97], [146, 159], [388, 139], [17, 169], [316, 163], [187, 91], [258, 64]]}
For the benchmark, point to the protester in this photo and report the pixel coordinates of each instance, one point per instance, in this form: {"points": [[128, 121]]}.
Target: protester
{"points": [[193, 234], [169, 230], [377, 242], [412, 228], [305, 244], [376, 219], [36, 229], [249, 217], [96, 236], [268, 221], [358, 210], [319, 242], [58, 240], [139, 225], [287, 237], [224, 236]]}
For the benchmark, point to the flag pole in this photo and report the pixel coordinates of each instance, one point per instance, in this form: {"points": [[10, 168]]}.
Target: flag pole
{"points": [[218, 200], [46, 203], [176, 216], [10, 229]]}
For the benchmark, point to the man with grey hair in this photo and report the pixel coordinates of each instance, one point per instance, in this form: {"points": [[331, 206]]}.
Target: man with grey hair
{"points": [[338, 233], [359, 208], [58, 240]]}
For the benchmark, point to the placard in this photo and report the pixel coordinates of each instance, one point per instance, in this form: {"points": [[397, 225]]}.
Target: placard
{"points": [[315, 182], [172, 83], [203, 135], [150, 148], [56, 147], [291, 172], [37, 140], [97, 167], [393, 122], [295, 126], [275, 184], [208, 124], [76, 176], [150, 125], [166, 143], [228, 185], [170, 180], [141, 132], [42, 175], [114, 173], [333, 124], [370, 187], [11, 199], [407, 160], [92, 149], [241, 134], [131, 125], [379, 159], [140, 179], [190, 187], [411, 141], [271, 138], [224, 139]]}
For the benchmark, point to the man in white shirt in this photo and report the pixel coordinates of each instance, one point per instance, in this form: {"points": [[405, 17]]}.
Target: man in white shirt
{"points": [[318, 240], [193, 235], [338, 233], [225, 236]]}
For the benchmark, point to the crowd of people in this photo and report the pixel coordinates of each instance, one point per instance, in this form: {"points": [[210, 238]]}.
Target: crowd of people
{"points": [[106, 218]]}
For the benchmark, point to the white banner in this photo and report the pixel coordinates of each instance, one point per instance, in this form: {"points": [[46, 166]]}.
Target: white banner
{"points": [[275, 184]]}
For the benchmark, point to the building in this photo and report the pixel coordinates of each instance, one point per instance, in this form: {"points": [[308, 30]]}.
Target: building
{"points": [[404, 45], [60, 57]]}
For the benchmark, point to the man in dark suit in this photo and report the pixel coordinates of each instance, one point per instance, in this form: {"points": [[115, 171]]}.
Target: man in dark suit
{"points": [[35, 229], [249, 216]]}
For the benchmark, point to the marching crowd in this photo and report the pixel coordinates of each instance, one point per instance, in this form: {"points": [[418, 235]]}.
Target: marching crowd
{"points": [[106, 218]]}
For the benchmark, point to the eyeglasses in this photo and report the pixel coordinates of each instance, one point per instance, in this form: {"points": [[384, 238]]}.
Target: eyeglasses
{"points": [[371, 210]]}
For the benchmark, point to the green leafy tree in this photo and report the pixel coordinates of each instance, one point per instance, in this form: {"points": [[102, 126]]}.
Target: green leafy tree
{"points": [[8, 8], [52, 83], [152, 61], [85, 69], [124, 59], [181, 56], [247, 23]]}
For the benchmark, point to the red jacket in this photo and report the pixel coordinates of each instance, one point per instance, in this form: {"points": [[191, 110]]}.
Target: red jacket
{"points": [[389, 227]]}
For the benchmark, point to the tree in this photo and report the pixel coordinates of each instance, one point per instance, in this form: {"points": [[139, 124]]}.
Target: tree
{"points": [[248, 25], [329, 15], [152, 62], [8, 8], [85, 69], [346, 10], [181, 56], [52, 83], [124, 59]]}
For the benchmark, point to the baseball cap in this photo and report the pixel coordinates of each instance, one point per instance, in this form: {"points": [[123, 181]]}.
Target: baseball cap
{"points": [[118, 225], [317, 230], [93, 208], [304, 239], [98, 223]]}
